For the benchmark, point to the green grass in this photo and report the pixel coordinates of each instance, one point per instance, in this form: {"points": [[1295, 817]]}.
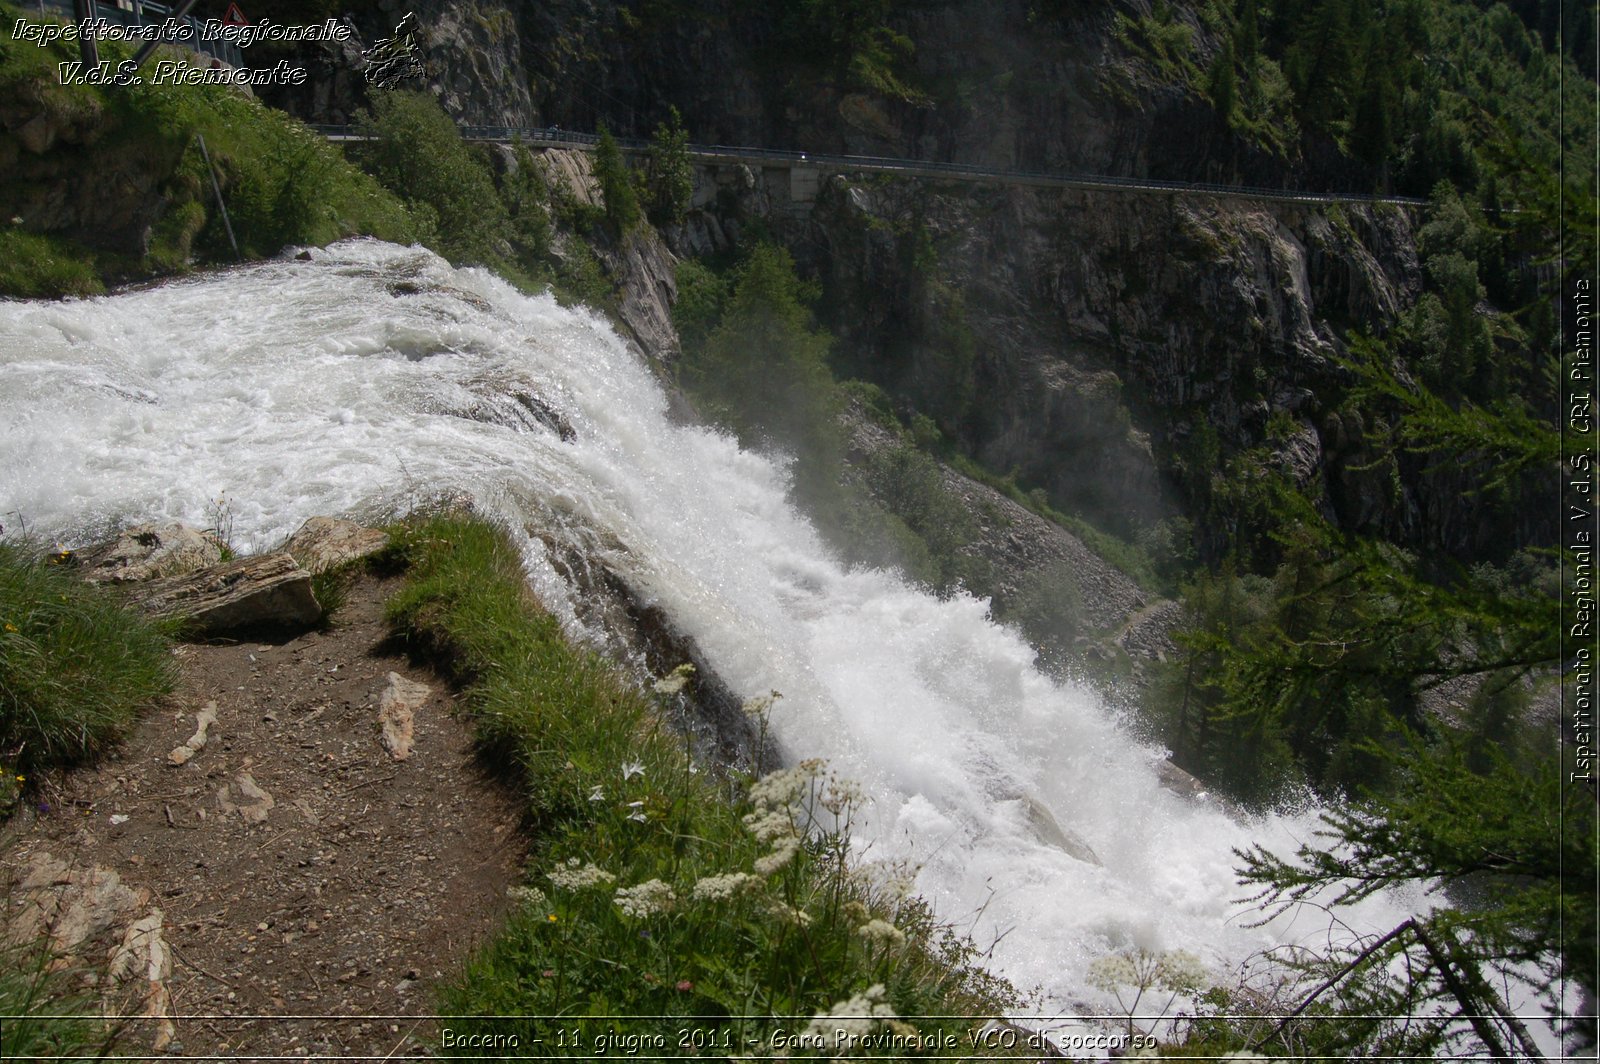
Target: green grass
{"points": [[43, 1018], [616, 805], [75, 669], [32, 266], [75, 665]]}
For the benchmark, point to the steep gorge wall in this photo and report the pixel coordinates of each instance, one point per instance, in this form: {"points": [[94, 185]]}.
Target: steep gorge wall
{"points": [[1114, 348]]}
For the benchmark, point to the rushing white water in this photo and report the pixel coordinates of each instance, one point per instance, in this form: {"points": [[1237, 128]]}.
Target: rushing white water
{"points": [[302, 388]]}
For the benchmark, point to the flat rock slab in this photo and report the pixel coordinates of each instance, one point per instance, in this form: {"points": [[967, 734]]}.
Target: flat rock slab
{"points": [[397, 710], [324, 543], [265, 591]]}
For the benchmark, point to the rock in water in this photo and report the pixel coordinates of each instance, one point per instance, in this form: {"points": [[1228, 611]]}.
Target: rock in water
{"points": [[1045, 826], [145, 552], [397, 713], [267, 591], [324, 543]]}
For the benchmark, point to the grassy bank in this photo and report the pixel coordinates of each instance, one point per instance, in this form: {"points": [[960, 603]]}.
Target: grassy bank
{"points": [[140, 145], [660, 888], [75, 666]]}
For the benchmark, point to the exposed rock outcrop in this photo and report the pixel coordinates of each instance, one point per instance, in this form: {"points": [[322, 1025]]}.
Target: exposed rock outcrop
{"points": [[148, 551], [265, 591], [639, 263], [68, 171], [1102, 329], [471, 52], [325, 543], [1017, 543]]}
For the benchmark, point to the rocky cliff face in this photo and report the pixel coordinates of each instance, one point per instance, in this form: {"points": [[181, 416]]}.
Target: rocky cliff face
{"points": [[1105, 333], [640, 267], [1005, 83], [1088, 340], [471, 50]]}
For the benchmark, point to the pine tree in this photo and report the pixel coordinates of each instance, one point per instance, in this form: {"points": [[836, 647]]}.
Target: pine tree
{"points": [[1221, 85], [669, 173], [616, 184]]}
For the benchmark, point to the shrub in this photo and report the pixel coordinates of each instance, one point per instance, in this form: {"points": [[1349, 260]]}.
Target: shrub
{"points": [[1049, 610], [764, 369], [418, 153], [669, 174]]}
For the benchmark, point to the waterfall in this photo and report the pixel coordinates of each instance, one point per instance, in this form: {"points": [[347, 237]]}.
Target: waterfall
{"points": [[373, 377]]}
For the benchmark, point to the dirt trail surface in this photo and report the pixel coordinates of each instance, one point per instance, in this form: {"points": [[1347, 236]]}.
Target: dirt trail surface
{"points": [[327, 846]]}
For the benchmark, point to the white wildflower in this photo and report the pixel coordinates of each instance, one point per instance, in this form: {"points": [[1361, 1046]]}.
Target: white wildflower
{"points": [[852, 1018], [638, 812], [1178, 971], [789, 914], [898, 884], [571, 877], [648, 898], [1181, 971], [785, 787], [770, 826], [1109, 973], [597, 793], [720, 888], [631, 769], [881, 931], [839, 794], [759, 708], [532, 897], [780, 856], [674, 681]]}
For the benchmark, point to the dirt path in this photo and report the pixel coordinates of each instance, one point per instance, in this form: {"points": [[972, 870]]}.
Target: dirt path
{"points": [[292, 868]]}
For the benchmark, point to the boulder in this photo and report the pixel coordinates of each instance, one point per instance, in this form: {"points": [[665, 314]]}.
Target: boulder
{"points": [[145, 552], [1049, 831], [266, 591], [324, 543]]}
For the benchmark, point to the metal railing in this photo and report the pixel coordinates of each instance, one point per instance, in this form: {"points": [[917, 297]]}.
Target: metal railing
{"points": [[146, 13], [556, 137]]}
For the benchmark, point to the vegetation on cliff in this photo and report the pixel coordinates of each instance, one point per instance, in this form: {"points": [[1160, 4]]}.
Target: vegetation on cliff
{"points": [[282, 184]]}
